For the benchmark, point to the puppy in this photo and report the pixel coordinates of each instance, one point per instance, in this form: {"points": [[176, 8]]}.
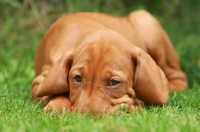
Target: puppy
{"points": [[99, 62]]}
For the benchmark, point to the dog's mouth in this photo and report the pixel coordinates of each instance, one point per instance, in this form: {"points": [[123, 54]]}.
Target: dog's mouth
{"points": [[125, 103]]}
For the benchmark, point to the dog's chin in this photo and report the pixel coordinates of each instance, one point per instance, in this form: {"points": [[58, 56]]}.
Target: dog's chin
{"points": [[111, 110]]}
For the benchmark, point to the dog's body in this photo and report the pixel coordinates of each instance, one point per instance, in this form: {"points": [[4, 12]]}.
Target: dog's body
{"points": [[97, 62]]}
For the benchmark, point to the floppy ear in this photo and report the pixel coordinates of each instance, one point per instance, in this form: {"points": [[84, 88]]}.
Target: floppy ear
{"points": [[53, 80], [150, 83]]}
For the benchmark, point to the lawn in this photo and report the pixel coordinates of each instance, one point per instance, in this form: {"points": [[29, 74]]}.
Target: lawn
{"points": [[22, 25]]}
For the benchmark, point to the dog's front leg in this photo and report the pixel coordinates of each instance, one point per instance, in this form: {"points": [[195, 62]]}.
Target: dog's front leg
{"points": [[37, 81], [61, 103]]}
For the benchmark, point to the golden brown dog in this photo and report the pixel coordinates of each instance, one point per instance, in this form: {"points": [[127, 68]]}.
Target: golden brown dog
{"points": [[98, 62]]}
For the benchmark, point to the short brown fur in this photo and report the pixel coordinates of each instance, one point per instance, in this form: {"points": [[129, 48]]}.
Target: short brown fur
{"points": [[134, 51]]}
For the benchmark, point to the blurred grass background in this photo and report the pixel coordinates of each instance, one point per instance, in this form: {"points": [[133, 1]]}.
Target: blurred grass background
{"points": [[24, 22]]}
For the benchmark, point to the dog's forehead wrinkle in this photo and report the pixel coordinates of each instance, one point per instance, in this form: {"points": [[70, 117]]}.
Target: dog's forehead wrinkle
{"points": [[97, 55], [96, 69]]}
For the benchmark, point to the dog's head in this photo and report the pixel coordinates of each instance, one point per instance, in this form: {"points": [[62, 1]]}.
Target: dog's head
{"points": [[106, 71]]}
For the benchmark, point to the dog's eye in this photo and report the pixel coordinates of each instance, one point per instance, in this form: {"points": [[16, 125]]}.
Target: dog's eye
{"points": [[77, 78], [114, 82]]}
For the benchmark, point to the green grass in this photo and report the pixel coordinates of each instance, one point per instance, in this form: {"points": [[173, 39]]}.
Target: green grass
{"points": [[20, 32]]}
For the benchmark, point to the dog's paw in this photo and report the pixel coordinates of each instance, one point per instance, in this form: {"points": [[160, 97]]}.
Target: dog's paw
{"points": [[177, 85], [59, 103], [136, 106]]}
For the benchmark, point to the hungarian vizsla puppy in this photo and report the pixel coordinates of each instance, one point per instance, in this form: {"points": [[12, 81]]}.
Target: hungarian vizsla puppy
{"points": [[98, 62]]}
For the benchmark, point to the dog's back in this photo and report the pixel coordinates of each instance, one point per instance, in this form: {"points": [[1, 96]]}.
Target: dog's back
{"points": [[68, 30]]}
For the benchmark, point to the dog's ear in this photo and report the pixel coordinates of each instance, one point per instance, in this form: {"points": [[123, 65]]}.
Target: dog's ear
{"points": [[53, 80], [149, 83]]}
